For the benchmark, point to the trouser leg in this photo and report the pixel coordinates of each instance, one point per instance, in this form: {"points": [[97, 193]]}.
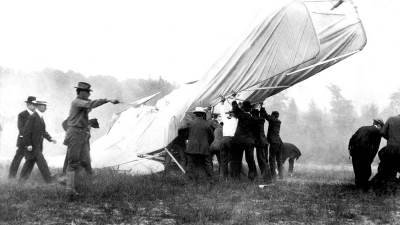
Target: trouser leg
{"points": [[191, 167], [236, 162], [225, 156], [291, 165], [207, 160], [261, 160], [249, 153], [43, 167], [19, 154], [85, 158], [27, 168], [279, 161], [182, 156], [204, 169], [272, 160], [78, 155], [262, 163], [64, 171]]}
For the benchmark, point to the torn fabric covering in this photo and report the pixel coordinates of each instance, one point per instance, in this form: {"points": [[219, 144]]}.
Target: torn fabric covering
{"points": [[340, 32], [284, 41], [279, 42]]}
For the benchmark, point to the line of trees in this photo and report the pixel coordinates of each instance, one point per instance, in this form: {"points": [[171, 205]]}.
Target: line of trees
{"points": [[323, 135]]}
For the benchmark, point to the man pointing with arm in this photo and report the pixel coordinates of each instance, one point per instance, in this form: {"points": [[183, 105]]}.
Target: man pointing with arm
{"points": [[78, 134]]}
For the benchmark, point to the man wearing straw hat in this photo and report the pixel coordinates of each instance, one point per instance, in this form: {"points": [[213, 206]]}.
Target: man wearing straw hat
{"points": [[22, 118], [78, 134], [198, 146], [33, 134]]}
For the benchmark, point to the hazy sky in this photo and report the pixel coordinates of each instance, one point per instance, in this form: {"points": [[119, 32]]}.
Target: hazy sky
{"points": [[180, 40]]}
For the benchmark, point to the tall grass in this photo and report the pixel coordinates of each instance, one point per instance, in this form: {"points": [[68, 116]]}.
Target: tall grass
{"points": [[310, 197]]}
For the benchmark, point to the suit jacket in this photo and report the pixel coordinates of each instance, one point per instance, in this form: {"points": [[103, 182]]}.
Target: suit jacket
{"points": [[274, 127], [22, 118], [246, 125], [33, 133], [290, 151], [200, 137], [365, 142], [391, 131]]}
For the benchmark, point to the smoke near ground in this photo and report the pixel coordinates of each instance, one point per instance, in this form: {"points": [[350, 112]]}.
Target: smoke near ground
{"points": [[57, 88]]}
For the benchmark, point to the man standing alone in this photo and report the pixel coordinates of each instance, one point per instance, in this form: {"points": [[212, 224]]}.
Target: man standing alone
{"points": [[20, 153], [78, 134]]}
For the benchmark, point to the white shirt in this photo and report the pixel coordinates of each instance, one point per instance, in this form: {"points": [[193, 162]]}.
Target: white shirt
{"points": [[230, 125], [40, 114]]}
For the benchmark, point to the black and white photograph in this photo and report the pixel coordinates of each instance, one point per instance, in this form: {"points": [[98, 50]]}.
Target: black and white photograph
{"points": [[169, 112]]}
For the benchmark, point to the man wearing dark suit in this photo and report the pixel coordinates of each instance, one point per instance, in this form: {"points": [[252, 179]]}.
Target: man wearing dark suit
{"points": [[33, 134], [291, 152], [389, 156], [261, 145], [198, 146], [22, 118], [363, 146], [243, 141], [273, 137]]}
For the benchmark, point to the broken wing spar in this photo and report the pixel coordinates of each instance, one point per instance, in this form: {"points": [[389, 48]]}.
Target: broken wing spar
{"points": [[269, 60]]}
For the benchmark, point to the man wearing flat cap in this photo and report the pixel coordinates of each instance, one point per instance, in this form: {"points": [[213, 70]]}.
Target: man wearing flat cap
{"points": [[78, 134], [22, 118], [363, 146], [33, 134]]}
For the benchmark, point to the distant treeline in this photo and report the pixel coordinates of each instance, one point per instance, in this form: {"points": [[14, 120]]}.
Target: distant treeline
{"points": [[323, 136]]}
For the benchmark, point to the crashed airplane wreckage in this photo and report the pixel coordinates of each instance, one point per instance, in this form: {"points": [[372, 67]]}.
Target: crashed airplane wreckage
{"points": [[292, 42]]}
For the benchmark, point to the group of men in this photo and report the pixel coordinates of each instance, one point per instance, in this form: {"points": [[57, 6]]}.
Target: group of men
{"points": [[32, 131], [363, 147], [239, 130]]}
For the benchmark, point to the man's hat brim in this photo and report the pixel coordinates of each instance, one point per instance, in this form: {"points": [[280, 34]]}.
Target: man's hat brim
{"points": [[84, 89]]}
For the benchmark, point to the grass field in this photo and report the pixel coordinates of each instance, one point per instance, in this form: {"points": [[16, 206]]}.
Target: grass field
{"points": [[312, 196]]}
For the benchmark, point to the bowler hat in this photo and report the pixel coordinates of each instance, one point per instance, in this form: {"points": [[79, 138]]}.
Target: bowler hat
{"points": [[30, 99], [199, 110], [379, 122], [84, 86], [39, 103]]}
